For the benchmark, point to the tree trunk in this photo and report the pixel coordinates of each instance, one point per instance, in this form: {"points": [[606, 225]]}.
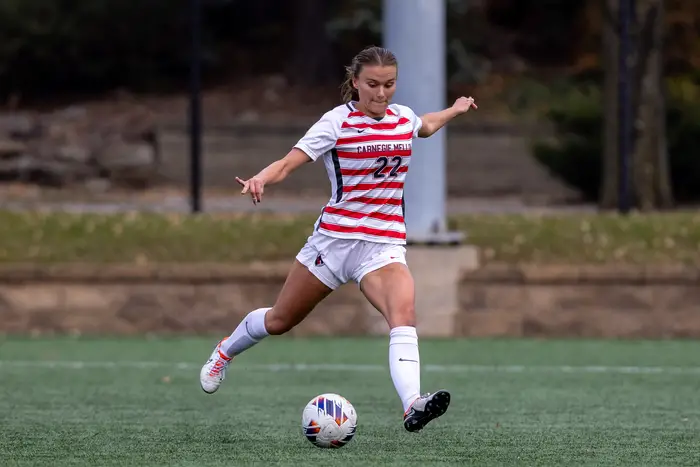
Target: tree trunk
{"points": [[609, 195], [650, 177], [652, 185]]}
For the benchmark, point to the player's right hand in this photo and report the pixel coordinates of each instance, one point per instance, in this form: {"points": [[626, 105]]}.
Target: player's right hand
{"points": [[254, 186]]}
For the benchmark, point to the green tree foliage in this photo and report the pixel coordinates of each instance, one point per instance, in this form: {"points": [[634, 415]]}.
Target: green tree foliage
{"points": [[68, 45], [576, 154], [53, 47]]}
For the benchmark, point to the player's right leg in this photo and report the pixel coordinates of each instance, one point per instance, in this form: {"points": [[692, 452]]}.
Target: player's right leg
{"points": [[390, 289], [301, 292]]}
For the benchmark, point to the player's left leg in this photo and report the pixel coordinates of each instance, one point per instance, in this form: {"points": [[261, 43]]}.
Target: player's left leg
{"points": [[300, 294], [391, 290]]}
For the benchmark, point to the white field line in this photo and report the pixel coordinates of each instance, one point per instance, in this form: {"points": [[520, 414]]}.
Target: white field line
{"points": [[312, 367]]}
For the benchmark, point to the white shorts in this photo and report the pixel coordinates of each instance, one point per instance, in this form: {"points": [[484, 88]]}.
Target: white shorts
{"points": [[336, 261]]}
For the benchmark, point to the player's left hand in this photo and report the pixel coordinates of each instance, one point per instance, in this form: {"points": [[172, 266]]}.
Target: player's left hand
{"points": [[463, 104]]}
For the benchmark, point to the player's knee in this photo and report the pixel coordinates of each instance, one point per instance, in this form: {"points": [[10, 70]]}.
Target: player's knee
{"points": [[277, 324]]}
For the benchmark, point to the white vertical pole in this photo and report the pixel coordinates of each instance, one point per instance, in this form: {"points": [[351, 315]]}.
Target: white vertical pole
{"points": [[414, 30]]}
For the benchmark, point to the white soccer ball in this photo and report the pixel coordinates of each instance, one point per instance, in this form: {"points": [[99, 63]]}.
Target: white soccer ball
{"points": [[329, 421]]}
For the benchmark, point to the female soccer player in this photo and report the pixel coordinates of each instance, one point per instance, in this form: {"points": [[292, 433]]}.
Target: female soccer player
{"points": [[365, 145]]}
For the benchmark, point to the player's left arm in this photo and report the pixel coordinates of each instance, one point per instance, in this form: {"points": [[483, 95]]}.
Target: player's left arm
{"points": [[433, 121]]}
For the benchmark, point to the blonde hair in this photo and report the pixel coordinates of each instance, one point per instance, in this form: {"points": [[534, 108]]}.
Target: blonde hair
{"points": [[371, 56]]}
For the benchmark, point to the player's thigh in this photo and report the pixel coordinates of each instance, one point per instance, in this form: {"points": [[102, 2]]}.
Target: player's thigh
{"points": [[391, 290], [300, 294]]}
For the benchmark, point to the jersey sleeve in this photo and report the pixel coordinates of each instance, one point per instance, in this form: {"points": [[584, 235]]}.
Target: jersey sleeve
{"points": [[320, 138], [417, 125], [416, 122]]}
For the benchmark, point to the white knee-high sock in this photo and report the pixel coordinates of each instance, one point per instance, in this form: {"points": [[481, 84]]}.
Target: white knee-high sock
{"points": [[404, 363], [249, 332]]}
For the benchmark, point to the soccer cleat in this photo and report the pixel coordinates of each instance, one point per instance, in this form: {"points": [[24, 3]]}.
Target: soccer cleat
{"points": [[426, 408], [214, 371]]}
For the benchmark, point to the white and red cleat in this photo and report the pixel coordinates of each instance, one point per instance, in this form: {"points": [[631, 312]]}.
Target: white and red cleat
{"points": [[214, 371]]}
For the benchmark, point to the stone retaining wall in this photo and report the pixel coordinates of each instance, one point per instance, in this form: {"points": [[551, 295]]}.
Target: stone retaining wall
{"points": [[495, 300], [130, 300], [584, 301]]}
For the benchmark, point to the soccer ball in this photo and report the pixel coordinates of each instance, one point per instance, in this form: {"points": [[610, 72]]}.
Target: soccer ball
{"points": [[329, 421]]}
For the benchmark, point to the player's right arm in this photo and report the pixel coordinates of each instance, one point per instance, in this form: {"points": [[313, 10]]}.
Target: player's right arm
{"points": [[317, 141], [273, 173]]}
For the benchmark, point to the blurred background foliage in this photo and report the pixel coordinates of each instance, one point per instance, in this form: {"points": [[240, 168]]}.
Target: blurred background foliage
{"points": [[77, 47], [532, 59]]}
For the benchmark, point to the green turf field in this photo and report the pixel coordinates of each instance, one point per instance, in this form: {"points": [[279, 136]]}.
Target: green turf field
{"points": [[137, 402]]}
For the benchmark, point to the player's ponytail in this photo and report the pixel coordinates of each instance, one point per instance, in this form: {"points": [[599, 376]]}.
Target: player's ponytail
{"points": [[347, 90], [370, 56]]}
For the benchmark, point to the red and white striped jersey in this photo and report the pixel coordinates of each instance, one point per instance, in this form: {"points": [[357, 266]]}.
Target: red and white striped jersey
{"points": [[367, 161]]}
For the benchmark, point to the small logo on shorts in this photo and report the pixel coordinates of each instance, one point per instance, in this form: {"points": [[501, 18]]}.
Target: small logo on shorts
{"points": [[319, 260]]}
